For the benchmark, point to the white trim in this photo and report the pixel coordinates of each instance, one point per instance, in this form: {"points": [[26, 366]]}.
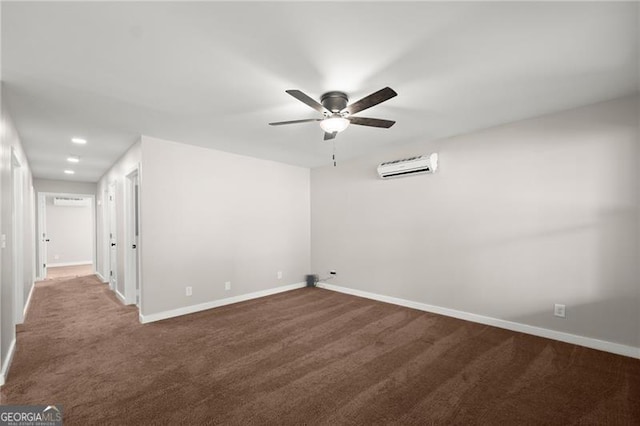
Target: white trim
{"points": [[101, 278], [217, 303], [120, 297], [140, 238], [7, 362], [57, 265], [26, 305], [33, 201], [616, 348]]}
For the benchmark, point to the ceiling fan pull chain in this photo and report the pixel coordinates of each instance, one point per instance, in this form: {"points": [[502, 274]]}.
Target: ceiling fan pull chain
{"points": [[334, 153]]}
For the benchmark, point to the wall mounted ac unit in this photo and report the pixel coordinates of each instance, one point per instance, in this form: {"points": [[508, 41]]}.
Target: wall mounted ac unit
{"points": [[409, 166], [71, 202]]}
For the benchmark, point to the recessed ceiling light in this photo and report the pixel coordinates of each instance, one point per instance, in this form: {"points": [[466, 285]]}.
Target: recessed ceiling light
{"points": [[73, 159], [69, 172], [79, 141]]}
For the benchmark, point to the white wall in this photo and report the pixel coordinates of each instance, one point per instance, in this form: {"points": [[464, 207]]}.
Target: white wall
{"points": [[116, 174], [638, 191], [64, 187], [10, 141], [209, 217], [518, 217], [70, 233]]}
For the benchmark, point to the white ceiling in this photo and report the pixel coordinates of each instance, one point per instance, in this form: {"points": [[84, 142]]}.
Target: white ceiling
{"points": [[214, 74]]}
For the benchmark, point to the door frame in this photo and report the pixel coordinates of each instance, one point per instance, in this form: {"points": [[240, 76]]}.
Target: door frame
{"points": [[132, 276], [33, 199], [17, 236], [42, 220], [105, 267], [41, 270], [112, 238]]}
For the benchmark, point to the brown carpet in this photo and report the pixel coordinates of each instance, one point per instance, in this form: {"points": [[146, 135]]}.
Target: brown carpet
{"points": [[308, 356]]}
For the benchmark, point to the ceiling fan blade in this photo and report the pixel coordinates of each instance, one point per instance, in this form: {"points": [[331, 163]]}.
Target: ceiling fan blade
{"points": [[371, 100], [307, 120], [308, 100], [328, 136], [373, 122]]}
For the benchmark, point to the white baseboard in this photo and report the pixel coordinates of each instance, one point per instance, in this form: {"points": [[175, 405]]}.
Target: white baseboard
{"points": [[101, 278], [120, 297], [7, 362], [57, 265], [26, 305], [588, 342], [217, 303]]}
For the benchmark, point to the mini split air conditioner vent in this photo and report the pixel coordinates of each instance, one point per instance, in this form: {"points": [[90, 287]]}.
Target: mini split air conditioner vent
{"points": [[400, 161], [409, 166], [71, 201]]}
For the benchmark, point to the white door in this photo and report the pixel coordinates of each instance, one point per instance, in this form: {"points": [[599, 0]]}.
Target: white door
{"points": [[113, 249], [18, 237], [106, 253], [136, 246], [43, 239], [132, 232]]}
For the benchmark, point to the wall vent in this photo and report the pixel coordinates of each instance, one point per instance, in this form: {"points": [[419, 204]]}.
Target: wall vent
{"points": [[71, 201]]}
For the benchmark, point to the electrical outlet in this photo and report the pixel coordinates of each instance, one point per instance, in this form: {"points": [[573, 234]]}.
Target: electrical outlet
{"points": [[227, 285], [56, 256], [188, 291], [279, 275], [560, 310]]}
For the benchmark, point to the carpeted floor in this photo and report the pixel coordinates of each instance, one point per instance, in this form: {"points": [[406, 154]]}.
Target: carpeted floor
{"points": [[54, 272], [308, 356]]}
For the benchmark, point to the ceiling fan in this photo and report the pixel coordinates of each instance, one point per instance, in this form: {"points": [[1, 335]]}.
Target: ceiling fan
{"points": [[337, 114]]}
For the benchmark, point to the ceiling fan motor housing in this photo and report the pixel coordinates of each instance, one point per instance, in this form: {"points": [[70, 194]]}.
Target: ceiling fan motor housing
{"points": [[334, 101]]}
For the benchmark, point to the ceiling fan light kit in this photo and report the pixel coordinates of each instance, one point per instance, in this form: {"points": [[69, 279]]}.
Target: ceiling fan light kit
{"points": [[334, 124]]}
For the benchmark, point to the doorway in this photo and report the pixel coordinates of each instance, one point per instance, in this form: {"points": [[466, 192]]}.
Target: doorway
{"points": [[132, 237], [113, 231], [66, 235]]}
